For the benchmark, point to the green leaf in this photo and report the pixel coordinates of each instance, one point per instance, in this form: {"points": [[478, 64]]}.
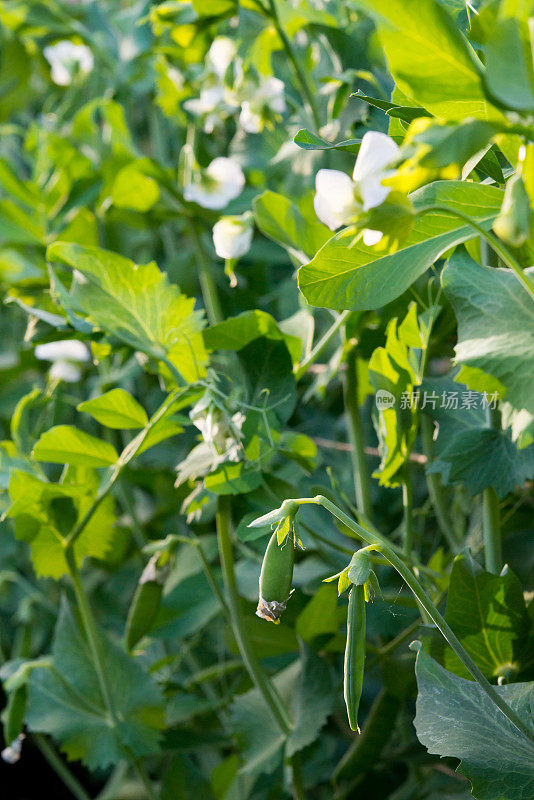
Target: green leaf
{"points": [[509, 75], [281, 220], [345, 275], [310, 141], [488, 614], [134, 190], [235, 333], [65, 444], [269, 372], [320, 615], [456, 718], [136, 305], [233, 479], [492, 300], [313, 701], [68, 704], [42, 512], [116, 409], [430, 60]]}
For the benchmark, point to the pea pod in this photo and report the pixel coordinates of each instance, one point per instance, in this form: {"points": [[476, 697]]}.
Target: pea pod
{"points": [[145, 603], [276, 578], [513, 223], [355, 654], [13, 714]]}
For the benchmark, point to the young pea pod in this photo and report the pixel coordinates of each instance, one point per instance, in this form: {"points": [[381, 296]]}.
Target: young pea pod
{"points": [[276, 578], [145, 603], [13, 714], [354, 654]]}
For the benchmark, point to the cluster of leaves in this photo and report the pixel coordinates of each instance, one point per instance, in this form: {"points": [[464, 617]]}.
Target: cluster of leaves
{"points": [[395, 378]]}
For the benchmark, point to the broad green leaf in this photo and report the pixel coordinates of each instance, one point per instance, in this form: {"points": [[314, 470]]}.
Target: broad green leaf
{"points": [[492, 301], [134, 190], [116, 409], [345, 275], [320, 615], [509, 75], [233, 478], [269, 372], [281, 220], [68, 704], [136, 305], [488, 614], [312, 702], [429, 59], [44, 513], [456, 718], [235, 333], [65, 444], [310, 141]]}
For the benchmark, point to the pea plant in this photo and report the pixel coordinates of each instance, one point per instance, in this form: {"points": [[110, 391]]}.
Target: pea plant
{"points": [[267, 399]]}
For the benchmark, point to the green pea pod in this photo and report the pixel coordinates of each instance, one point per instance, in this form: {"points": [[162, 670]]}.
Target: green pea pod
{"points": [[145, 603], [13, 714], [276, 578], [355, 654], [513, 223], [366, 749]]}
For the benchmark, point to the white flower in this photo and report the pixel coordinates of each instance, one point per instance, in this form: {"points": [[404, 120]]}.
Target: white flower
{"points": [[338, 199], [334, 202], [65, 355], [221, 182], [220, 431], [269, 96], [232, 236], [221, 54], [376, 152], [65, 58], [210, 104]]}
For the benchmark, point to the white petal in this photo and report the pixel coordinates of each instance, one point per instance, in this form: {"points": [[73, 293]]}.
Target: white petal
{"points": [[221, 54], [231, 237], [65, 57], [70, 349], [207, 197], [65, 371], [334, 198], [249, 120], [377, 151], [371, 237]]}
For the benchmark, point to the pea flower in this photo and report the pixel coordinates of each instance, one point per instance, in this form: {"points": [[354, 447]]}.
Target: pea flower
{"points": [[221, 54], [222, 181], [232, 236], [65, 58], [64, 355], [267, 97], [339, 199]]}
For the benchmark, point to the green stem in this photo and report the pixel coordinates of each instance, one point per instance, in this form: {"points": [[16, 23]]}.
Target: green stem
{"points": [[253, 666], [59, 767], [207, 283], [435, 486], [426, 603], [296, 773], [407, 505], [491, 517], [359, 463], [210, 577], [321, 345], [496, 245], [300, 75]]}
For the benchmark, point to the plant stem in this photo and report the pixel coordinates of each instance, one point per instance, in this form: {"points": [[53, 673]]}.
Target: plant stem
{"points": [[300, 75], [321, 345], [359, 464], [296, 772], [207, 283], [59, 767], [426, 603], [491, 518], [253, 666], [494, 243], [435, 486], [407, 505]]}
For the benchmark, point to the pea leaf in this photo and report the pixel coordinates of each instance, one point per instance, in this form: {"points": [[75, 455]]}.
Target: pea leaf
{"points": [[492, 300], [43, 513], [456, 718], [429, 59], [281, 220], [269, 371], [68, 704], [488, 614], [345, 274], [310, 141], [136, 305], [235, 333], [134, 190], [65, 444], [116, 409], [509, 73]]}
